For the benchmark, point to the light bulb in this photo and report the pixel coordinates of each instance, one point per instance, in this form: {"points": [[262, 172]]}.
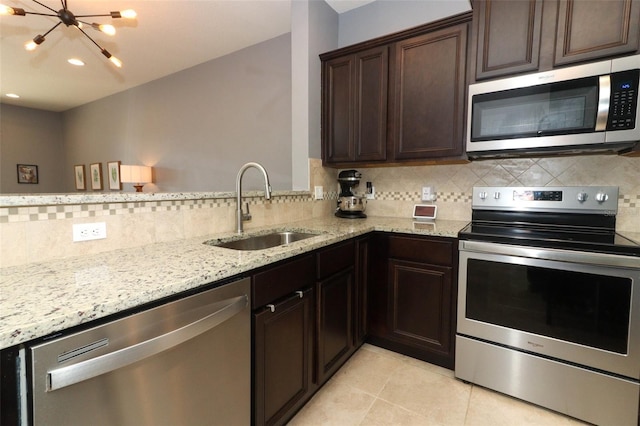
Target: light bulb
{"points": [[129, 14], [117, 62], [30, 45], [105, 28], [8, 10]]}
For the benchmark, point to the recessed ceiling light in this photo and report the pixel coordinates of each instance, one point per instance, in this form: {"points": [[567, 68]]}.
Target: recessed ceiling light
{"points": [[12, 95], [76, 62]]}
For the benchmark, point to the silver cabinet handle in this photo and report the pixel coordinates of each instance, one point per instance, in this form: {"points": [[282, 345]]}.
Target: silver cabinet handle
{"points": [[272, 308], [300, 294], [66, 376]]}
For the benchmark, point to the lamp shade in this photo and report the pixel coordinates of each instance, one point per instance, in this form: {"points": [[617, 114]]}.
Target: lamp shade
{"points": [[135, 174]]}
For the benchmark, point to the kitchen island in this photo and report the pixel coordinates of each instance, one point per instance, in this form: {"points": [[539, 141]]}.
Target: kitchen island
{"points": [[39, 299]]}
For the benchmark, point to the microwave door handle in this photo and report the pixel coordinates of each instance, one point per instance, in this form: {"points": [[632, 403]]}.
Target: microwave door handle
{"points": [[604, 100], [66, 376]]}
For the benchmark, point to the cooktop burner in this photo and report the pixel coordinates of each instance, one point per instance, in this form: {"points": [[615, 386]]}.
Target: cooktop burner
{"points": [[575, 239], [576, 218]]}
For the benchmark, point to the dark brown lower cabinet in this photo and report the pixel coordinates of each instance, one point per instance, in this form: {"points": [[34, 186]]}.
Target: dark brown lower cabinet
{"points": [[335, 322], [283, 358], [336, 307], [419, 309], [362, 278], [412, 296]]}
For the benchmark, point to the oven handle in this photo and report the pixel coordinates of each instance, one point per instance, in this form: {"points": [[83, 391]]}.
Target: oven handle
{"points": [[589, 258]]}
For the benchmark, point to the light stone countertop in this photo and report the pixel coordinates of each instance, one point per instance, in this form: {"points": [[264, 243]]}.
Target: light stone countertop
{"points": [[38, 299]]}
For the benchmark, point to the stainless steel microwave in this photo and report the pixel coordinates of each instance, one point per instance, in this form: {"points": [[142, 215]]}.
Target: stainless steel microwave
{"points": [[592, 107]]}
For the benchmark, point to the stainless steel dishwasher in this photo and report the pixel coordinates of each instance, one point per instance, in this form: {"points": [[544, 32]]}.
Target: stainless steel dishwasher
{"points": [[187, 362]]}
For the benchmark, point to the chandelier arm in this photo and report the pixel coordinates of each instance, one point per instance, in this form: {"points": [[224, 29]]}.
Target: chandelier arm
{"points": [[52, 28], [91, 16], [47, 7], [89, 37], [40, 14]]}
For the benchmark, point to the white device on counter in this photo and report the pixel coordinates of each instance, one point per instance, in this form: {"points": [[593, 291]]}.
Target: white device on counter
{"points": [[424, 211]]}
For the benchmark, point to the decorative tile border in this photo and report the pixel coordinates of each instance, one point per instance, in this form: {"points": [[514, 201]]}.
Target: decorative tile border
{"points": [[72, 211]]}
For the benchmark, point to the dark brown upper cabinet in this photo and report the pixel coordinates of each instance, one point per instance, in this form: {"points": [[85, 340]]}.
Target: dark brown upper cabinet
{"points": [[589, 30], [428, 93], [355, 100], [513, 37], [508, 37], [398, 98]]}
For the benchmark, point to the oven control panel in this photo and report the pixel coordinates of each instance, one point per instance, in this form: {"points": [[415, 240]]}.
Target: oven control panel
{"points": [[585, 199]]}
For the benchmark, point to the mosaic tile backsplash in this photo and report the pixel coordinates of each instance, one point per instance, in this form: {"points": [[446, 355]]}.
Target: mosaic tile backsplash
{"points": [[37, 233]]}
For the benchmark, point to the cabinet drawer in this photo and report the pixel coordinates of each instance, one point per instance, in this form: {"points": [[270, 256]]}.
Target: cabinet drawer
{"points": [[433, 251], [281, 280], [335, 258]]}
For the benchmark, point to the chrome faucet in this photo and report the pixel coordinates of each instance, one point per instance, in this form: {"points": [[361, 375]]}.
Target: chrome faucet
{"points": [[240, 215]]}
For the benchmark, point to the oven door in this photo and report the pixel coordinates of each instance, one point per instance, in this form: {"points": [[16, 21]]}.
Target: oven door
{"points": [[563, 305]]}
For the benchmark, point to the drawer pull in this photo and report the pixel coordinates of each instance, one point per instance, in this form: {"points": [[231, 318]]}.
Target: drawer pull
{"points": [[300, 293], [272, 308]]}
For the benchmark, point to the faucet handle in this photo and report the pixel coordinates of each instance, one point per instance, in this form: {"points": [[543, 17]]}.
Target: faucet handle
{"points": [[247, 215]]}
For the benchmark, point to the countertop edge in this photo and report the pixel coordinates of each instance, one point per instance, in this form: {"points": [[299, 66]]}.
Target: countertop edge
{"points": [[49, 297]]}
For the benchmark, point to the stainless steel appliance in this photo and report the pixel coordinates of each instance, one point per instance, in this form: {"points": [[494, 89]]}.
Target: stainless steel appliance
{"points": [[350, 205], [549, 301], [185, 362], [590, 107]]}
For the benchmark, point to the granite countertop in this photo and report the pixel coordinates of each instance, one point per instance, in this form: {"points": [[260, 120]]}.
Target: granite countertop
{"points": [[38, 299]]}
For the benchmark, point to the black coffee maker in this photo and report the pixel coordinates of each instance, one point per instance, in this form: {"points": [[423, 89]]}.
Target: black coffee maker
{"points": [[350, 206]]}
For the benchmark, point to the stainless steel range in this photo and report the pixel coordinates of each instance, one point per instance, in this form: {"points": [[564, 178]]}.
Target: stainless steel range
{"points": [[549, 301]]}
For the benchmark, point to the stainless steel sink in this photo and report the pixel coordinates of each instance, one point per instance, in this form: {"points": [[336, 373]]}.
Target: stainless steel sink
{"points": [[263, 241]]}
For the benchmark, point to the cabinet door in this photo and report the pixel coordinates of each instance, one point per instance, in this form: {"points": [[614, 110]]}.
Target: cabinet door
{"points": [[337, 109], [283, 357], [335, 322], [361, 290], [589, 30], [355, 107], [370, 119], [508, 36], [419, 310], [428, 94]]}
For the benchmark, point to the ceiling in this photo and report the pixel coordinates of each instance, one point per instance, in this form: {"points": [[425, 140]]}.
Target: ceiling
{"points": [[167, 36]]}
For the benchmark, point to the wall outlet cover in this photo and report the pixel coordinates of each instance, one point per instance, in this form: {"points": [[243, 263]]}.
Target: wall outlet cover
{"points": [[318, 192], [89, 231]]}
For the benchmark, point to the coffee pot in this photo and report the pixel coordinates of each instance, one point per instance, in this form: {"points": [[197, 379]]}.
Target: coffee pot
{"points": [[350, 206]]}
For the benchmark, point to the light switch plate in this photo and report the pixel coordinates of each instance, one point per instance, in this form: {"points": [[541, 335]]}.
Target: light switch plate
{"points": [[318, 192]]}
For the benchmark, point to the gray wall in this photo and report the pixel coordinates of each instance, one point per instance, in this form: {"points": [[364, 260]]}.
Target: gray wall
{"points": [[31, 136], [198, 126], [323, 37], [383, 17]]}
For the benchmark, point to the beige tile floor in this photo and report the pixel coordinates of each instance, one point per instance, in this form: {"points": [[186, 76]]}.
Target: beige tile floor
{"points": [[379, 387]]}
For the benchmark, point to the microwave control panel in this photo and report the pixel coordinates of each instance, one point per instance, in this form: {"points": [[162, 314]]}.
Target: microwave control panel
{"points": [[624, 100]]}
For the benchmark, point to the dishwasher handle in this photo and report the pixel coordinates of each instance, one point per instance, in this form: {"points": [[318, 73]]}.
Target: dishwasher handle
{"points": [[72, 374]]}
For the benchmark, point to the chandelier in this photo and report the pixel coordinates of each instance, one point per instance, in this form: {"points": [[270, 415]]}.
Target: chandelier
{"points": [[69, 19]]}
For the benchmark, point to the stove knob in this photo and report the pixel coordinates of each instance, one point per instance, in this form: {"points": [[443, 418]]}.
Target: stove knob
{"points": [[482, 195], [601, 197], [496, 195], [582, 197]]}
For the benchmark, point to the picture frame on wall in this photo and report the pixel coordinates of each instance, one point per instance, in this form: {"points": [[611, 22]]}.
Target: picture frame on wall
{"points": [[27, 173], [95, 172], [78, 171], [113, 175]]}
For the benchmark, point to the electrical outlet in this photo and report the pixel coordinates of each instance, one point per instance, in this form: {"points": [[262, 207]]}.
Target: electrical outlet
{"points": [[318, 192], [371, 193], [89, 231], [428, 193]]}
